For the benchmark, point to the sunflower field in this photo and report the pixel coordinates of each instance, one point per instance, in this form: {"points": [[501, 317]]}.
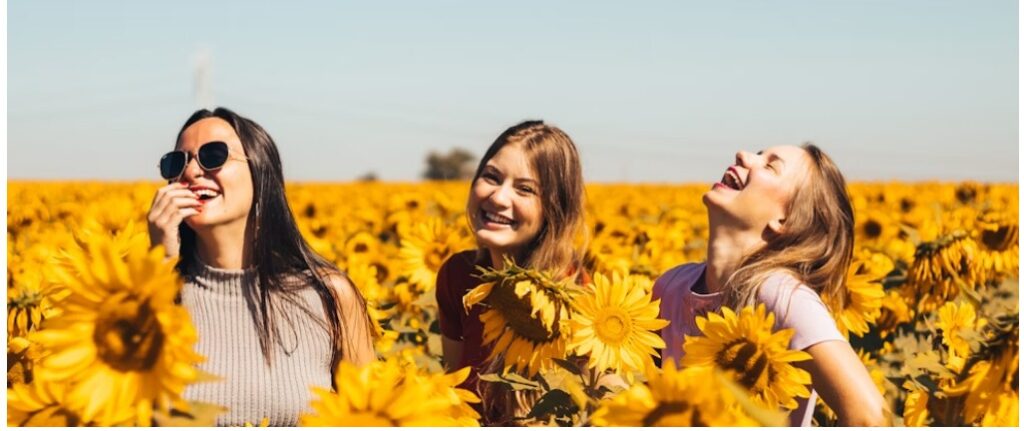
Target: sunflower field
{"points": [[94, 336]]}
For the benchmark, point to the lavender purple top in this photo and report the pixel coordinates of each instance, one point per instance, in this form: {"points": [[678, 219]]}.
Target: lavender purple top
{"points": [[795, 306]]}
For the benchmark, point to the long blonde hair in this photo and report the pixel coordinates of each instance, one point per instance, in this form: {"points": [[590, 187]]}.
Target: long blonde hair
{"points": [[554, 159], [816, 246]]}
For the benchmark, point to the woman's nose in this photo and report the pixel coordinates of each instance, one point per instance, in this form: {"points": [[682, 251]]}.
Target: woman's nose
{"points": [[192, 169], [743, 158], [500, 197]]}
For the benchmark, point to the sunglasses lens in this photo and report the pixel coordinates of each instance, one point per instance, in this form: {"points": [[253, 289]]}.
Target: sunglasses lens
{"points": [[171, 164], [213, 155]]}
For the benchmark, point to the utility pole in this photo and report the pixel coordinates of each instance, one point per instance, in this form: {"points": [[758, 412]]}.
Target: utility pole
{"points": [[203, 85]]}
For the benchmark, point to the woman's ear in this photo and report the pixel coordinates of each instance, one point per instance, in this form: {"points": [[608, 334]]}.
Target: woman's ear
{"points": [[777, 226]]}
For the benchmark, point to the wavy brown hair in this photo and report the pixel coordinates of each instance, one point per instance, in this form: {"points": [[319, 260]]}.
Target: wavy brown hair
{"points": [[816, 245], [555, 161]]}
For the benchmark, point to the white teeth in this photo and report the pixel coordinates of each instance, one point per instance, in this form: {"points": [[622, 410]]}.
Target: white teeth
{"points": [[497, 218], [731, 181], [206, 192]]}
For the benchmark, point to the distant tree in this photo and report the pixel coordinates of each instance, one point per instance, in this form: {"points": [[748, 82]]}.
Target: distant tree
{"points": [[368, 177], [456, 165]]}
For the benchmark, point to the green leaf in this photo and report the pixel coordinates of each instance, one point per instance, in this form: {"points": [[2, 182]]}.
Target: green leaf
{"points": [[929, 361], [568, 365], [556, 403], [516, 382]]}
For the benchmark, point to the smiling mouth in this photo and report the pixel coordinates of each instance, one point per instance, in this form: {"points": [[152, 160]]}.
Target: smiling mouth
{"points": [[492, 218], [732, 181], [206, 195]]}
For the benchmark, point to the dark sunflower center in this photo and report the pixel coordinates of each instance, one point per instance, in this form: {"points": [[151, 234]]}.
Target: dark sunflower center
{"points": [[906, 205], [382, 271], [516, 312], [747, 360], [965, 194], [1000, 238], [128, 336], [26, 300], [672, 408], [872, 229], [361, 248]]}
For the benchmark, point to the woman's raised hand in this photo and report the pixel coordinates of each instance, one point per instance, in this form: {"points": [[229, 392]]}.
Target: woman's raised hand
{"points": [[171, 205]]}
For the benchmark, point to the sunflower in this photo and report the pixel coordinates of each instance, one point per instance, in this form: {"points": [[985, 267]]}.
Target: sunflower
{"points": [[745, 344], [952, 319], [894, 312], [30, 300], [425, 249], [862, 304], [915, 407], [685, 398], [41, 403], [613, 323], [997, 237], [991, 387], [362, 247], [526, 318], [120, 343], [874, 227], [940, 268], [389, 393]]}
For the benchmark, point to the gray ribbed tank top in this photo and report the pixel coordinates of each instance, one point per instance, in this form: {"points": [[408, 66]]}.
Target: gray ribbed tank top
{"points": [[249, 388]]}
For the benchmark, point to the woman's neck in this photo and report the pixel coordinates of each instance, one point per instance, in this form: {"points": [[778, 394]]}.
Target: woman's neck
{"points": [[498, 258], [726, 250], [223, 247]]}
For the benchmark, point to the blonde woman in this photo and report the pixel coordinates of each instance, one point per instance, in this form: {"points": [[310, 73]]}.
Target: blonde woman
{"points": [[781, 234]]}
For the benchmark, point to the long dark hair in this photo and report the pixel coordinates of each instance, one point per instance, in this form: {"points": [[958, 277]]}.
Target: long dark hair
{"points": [[283, 261]]}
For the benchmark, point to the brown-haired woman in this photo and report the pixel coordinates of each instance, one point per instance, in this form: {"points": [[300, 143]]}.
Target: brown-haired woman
{"points": [[781, 234], [526, 202]]}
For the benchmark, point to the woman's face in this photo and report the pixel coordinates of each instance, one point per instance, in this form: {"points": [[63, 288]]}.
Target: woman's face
{"points": [[225, 193], [755, 192], [504, 203]]}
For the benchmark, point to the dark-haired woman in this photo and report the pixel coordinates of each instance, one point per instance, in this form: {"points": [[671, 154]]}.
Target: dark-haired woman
{"points": [[273, 317]]}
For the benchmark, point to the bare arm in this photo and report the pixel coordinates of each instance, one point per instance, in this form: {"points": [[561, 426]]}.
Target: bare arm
{"points": [[844, 384], [354, 318], [452, 353]]}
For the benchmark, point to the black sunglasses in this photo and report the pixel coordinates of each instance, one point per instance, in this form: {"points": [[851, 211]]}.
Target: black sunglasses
{"points": [[211, 156]]}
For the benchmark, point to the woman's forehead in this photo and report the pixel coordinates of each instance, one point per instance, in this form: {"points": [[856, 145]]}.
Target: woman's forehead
{"points": [[786, 152], [209, 130], [512, 160]]}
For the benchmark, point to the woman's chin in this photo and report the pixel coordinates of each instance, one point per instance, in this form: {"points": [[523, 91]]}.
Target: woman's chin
{"points": [[495, 240]]}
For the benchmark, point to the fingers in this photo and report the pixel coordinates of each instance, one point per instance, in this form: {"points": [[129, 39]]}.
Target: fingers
{"points": [[166, 198], [176, 210]]}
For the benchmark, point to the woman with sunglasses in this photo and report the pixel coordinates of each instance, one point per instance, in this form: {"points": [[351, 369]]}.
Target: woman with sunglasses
{"points": [[273, 317]]}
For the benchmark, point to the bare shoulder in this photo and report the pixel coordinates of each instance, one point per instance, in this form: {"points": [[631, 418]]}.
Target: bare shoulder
{"points": [[344, 289]]}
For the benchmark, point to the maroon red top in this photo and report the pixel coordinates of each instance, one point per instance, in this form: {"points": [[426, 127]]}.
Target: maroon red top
{"points": [[457, 276]]}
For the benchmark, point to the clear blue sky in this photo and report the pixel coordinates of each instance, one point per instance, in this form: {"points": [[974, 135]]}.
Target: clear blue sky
{"points": [[650, 91]]}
